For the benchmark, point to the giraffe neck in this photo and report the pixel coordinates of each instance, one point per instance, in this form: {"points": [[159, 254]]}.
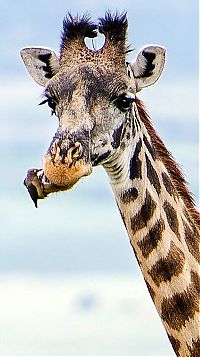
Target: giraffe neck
{"points": [[162, 232]]}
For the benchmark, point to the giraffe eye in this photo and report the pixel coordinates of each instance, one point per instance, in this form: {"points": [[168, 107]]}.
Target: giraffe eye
{"points": [[124, 101]]}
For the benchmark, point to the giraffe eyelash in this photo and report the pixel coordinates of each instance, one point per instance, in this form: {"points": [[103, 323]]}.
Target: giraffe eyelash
{"points": [[52, 103]]}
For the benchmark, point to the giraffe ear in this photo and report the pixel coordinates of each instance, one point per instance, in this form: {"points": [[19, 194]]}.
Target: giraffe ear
{"points": [[41, 63], [148, 66]]}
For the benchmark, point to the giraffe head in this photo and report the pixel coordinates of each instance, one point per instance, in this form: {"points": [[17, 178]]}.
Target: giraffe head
{"points": [[91, 92]]}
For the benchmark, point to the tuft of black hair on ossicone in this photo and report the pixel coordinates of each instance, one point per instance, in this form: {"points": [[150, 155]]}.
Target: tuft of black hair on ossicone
{"points": [[114, 26], [77, 27]]}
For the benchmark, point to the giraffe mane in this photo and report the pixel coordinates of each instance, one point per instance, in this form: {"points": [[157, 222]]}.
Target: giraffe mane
{"points": [[173, 169]]}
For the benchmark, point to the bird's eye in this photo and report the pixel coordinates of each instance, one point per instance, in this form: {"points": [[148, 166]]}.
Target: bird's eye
{"points": [[51, 103], [124, 101]]}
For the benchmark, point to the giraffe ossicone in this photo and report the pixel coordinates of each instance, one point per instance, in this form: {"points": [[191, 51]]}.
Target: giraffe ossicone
{"points": [[102, 122]]}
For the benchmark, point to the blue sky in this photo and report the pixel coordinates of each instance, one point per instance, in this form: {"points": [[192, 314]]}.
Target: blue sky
{"points": [[47, 245]]}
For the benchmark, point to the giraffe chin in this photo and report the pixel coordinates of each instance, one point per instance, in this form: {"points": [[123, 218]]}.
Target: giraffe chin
{"points": [[63, 176]]}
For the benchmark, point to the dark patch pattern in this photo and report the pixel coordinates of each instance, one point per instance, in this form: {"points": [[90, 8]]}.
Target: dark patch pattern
{"points": [[168, 184], [141, 218], [99, 159], [196, 281], [175, 344], [135, 163], [172, 218], [152, 175], [195, 348], [148, 70], [151, 240], [181, 307], [129, 195], [47, 68], [136, 121], [166, 268], [149, 147], [117, 137], [172, 168], [191, 239], [150, 56]]}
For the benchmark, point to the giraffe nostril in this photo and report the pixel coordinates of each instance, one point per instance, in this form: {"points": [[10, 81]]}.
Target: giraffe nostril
{"points": [[76, 151], [71, 154]]}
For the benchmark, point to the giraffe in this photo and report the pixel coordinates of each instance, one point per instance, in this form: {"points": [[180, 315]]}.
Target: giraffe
{"points": [[103, 122]]}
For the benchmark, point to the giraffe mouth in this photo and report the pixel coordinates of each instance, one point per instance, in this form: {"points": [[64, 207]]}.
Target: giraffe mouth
{"points": [[64, 174], [61, 170], [40, 186]]}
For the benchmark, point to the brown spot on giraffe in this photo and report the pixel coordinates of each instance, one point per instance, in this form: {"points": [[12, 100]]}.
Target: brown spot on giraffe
{"points": [[135, 162], [152, 239], [172, 218], [152, 175], [168, 185], [182, 306], [191, 238], [150, 147], [129, 195], [141, 219], [168, 267], [174, 172]]}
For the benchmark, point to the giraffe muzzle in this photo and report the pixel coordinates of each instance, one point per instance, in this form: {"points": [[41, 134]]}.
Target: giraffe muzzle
{"points": [[63, 166]]}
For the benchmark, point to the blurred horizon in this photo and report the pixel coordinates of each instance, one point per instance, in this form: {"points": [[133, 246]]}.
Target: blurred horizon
{"points": [[73, 251]]}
